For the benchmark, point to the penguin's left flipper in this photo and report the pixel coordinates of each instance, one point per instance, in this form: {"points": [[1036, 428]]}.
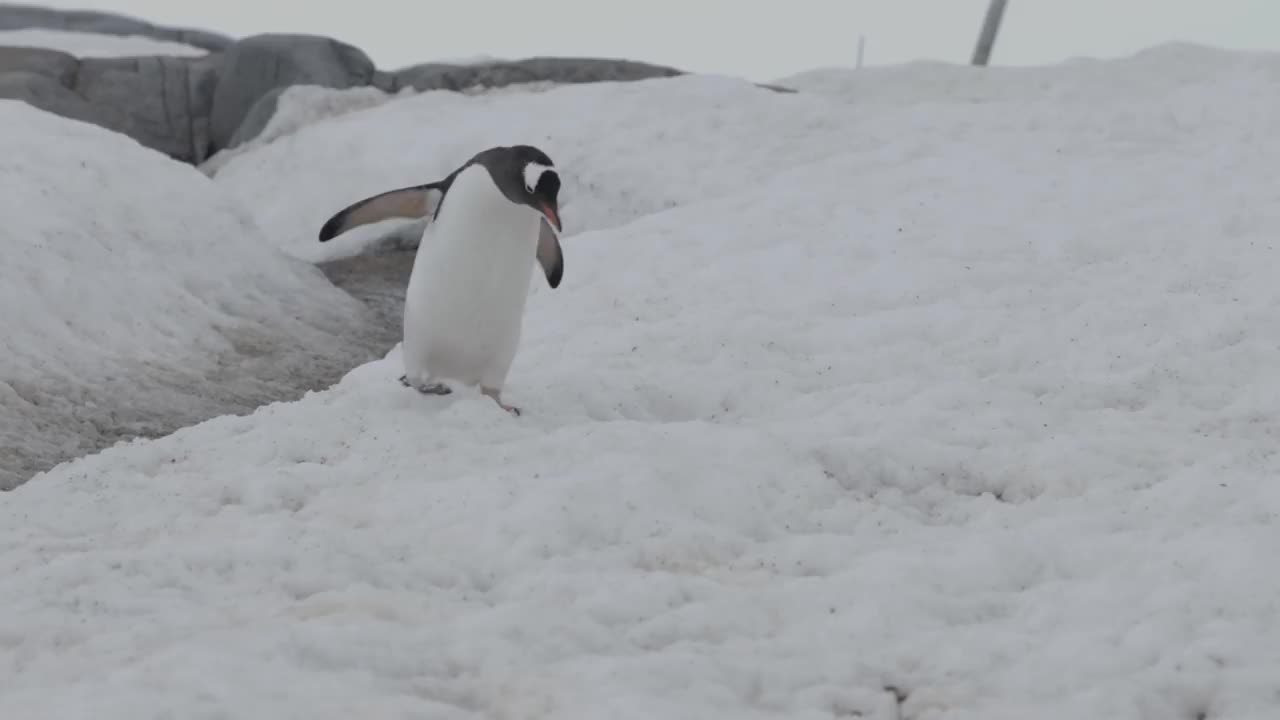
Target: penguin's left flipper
{"points": [[427, 388], [411, 203]]}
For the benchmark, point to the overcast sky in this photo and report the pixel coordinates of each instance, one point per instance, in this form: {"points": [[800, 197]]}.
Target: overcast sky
{"points": [[757, 39]]}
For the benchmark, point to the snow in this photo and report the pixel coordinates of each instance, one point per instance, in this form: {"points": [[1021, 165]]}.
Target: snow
{"points": [[137, 298], [85, 44], [424, 136], [944, 409], [1150, 74], [302, 105]]}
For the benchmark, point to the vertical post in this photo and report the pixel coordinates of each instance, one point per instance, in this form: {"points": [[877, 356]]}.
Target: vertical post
{"points": [[990, 26], [862, 46]]}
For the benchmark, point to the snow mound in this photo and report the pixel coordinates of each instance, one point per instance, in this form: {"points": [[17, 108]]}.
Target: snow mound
{"points": [[299, 106], [1148, 74], [83, 44], [137, 298], [422, 137], [959, 413], [604, 135]]}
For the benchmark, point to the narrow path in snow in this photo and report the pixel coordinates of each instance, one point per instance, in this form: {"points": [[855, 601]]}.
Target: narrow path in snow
{"points": [[258, 376], [378, 279], [262, 372]]}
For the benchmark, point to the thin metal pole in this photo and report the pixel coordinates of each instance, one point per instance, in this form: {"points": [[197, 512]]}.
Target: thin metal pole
{"points": [[990, 26], [862, 46]]}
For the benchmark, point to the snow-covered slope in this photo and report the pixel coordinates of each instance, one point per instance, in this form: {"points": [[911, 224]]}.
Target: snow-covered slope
{"points": [[302, 105], [137, 299], [956, 411], [613, 139], [1149, 74], [299, 106], [83, 44]]}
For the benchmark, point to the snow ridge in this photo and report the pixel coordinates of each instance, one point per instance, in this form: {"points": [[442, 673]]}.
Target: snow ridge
{"points": [[942, 410]]}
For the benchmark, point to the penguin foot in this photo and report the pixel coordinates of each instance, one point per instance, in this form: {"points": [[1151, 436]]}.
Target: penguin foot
{"points": [[494, 395], [435, 388]]}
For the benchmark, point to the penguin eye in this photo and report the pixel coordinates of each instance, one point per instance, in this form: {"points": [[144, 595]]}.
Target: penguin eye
{"points": [[532, 174]]}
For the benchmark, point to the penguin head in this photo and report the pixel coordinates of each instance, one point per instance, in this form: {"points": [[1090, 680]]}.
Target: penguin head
{"points": [[526, 176]]}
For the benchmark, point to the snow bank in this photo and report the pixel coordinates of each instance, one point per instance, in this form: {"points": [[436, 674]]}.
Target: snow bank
{"points": [[739, 134], [137, 299], [968, 414], [299, 106], [605, 135], [302, 105], [83, 44], [1147, 75]]}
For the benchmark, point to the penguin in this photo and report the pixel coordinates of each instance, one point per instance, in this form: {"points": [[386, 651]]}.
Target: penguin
{"points": [[489, 221]]}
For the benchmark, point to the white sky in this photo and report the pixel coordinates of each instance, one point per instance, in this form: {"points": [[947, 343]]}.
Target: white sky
{"points": [[758, 39]]}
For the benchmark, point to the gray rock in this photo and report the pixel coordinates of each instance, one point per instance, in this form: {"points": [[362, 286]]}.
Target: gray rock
{"points": [[384, 81], [438, 76], [46, 93], [562, 70], [255, 121], [52, 64], [44, 79], [257, 65], [21, 17], [167, 99], [190, 108], [162, 102]]}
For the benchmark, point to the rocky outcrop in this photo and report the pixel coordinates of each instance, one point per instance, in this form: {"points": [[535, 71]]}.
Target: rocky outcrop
{"points": [[167, 100], [162, 102], [256, 120], [191, 107], [464, 78], [558, 70], [258, 65], [275, 62], [21, 17], [57, 66]]}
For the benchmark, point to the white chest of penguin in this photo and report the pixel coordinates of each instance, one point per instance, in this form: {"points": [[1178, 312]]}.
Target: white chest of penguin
{"points": [[466, 297]]}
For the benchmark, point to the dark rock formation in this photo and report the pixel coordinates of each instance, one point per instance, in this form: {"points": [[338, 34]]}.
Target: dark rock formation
{"points": [[255, 121], [560, 70], [21, 17], [52, 64], [260, 64], [162, 102], [191, 107], [168, 100]]}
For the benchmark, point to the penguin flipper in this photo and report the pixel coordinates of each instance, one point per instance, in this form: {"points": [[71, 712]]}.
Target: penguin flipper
{"points": [[550, 257], [415, 202]]}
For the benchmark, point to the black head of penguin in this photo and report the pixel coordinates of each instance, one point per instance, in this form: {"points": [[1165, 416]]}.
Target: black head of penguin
{"points": [[526, 176]]}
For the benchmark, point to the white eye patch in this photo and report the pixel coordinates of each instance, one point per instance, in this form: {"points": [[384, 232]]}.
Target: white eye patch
{"points": [[533, 173]]}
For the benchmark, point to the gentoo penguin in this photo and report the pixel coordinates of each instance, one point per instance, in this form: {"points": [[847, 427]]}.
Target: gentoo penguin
{"points": [[464, 306]]}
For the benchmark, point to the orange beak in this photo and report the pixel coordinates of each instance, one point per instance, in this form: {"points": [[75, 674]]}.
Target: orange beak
{"points": [[553, 216]]}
